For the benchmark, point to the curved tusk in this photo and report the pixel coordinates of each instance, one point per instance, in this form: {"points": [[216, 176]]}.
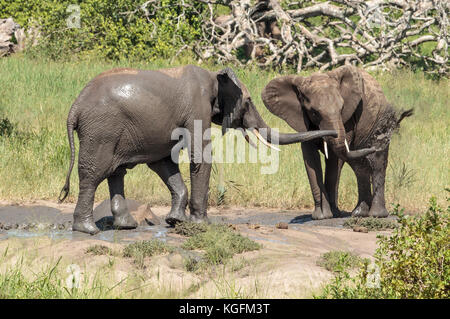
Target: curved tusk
{"points": [[326, 149], [263, 140], [249, 141], [346, 146]]}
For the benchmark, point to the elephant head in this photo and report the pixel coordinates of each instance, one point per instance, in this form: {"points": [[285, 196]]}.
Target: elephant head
{"points": [[320, 101], [234, 108]]}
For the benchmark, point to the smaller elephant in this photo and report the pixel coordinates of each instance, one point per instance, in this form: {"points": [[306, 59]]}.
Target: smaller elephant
{"points": [[125, 117], [351, 102]]}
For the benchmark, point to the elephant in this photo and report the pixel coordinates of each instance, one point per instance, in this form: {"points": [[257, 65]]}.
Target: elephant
{"points": [[350, 101], [124, 117]]}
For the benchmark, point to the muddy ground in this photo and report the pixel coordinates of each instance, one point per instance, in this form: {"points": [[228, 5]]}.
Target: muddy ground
{"points": [[286, 266]]}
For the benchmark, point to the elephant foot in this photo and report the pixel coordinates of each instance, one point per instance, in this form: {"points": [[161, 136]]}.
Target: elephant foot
{"points": [[85, 226], [336, 212], [199, 219], [175, 217], [124, 221], [362, 210], [379, 212], [320, 213], [119, 210]]}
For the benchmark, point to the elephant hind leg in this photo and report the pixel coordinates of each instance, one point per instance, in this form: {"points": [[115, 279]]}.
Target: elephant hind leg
{"points": [[119, 209], [170, 174], [379, 162], [83, 220], [362, 172], [94, 166]]}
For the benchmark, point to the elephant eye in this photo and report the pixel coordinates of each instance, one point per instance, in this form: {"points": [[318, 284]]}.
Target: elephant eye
{"points": [[315, 116]]}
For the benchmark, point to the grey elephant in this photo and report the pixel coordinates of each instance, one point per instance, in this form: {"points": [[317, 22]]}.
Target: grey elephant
{"points": [[351, 102], [125, 117]]}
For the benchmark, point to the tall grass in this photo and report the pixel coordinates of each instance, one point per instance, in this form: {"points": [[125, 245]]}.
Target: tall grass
{"points": [[36, 97]]}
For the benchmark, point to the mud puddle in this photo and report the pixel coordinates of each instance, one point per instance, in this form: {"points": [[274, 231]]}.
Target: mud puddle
{"points": [[55, 222]]}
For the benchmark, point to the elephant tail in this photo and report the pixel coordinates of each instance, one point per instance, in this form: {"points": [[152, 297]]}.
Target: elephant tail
{"points": [[71, 126], [405, 114]]}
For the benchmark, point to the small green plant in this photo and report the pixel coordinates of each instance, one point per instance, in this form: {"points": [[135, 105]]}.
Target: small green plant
{"points": [[220, 243], [414, 262], [99, 250], [371, 223], [339, 261], [146, 248], [190, 229]]}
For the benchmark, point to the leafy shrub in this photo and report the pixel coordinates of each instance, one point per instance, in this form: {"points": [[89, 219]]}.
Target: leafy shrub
{"points": [[106, 27], [412, 263]]}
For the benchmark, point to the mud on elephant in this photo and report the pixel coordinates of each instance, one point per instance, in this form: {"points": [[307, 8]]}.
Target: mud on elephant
{"points": [[125, 117], [351, 102]]}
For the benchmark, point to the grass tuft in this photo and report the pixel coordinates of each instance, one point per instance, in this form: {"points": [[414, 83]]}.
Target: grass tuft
{"points": [[371, 223], [338, 261], [99, 250], [190, 229], [220, 243], [146, 248]]}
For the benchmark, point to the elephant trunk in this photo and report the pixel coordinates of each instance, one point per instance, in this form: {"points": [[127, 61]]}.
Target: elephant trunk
{"points": [[341, 146], [285, 138]]}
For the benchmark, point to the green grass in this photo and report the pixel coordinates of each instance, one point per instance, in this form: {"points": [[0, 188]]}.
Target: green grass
{"points": [[36, 97]]}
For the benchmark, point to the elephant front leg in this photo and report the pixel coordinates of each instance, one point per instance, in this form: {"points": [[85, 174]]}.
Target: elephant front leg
{"points": [[200, 174], [362, 172], [170, 174], [379, 162], [119, 209], [313, 167], [200, 169], [332, 175]]}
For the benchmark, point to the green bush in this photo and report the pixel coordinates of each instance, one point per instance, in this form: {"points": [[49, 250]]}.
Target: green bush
{"points": [[414, 262], [105, 29]]}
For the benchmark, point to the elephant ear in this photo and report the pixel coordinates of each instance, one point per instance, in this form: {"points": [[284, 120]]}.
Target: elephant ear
{"points": [[229, 96], [281, 97], [351, 86]]}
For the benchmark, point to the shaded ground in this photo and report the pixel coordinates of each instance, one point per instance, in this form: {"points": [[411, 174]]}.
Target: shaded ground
{"points": [[285, 267]]}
